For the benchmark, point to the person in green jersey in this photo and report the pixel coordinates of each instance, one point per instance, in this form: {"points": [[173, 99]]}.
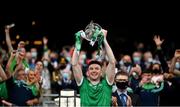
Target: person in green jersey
{"points": [[95, 90], [20, 50], [3, 90]]}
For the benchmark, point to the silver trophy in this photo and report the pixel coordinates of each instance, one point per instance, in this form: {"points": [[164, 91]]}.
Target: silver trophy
{"points": [[92, 32]]}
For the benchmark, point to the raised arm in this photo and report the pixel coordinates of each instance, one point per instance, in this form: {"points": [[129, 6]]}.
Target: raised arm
{"points": [[110, 70], [158, 41], [45, 46], [8, 66], [160, 53], [8, 39], [77, 70]]}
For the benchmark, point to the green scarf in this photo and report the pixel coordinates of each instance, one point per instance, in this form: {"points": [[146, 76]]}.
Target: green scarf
{"points": [[78, 41], [34, 89], [97, 36], [149, 86]]}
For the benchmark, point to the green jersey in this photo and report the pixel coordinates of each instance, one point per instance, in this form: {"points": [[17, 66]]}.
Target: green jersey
{"points": [[95, 95], [3, 90], [14, 62]]}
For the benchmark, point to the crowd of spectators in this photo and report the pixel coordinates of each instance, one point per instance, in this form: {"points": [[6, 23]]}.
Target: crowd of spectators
{"points": [[27, 74]]}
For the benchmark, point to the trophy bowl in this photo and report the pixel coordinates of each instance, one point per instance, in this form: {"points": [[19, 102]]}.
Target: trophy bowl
{"points": [[92, 33], [92, 29]]}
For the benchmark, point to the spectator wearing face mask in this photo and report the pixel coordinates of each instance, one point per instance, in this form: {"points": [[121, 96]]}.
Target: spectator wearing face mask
{"points": [[29, 60], [121, 97], [54, 59], [65, 71], [157, 77], [34, 54], [66, 52], [140, 47], [135, 76], [67, 81], [137, 58], [147, 60], [175, 65], [126, 63], [54, 62], [46, 80]]}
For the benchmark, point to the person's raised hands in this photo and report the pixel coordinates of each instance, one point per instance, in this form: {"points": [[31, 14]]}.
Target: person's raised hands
{"points": [[158, 40]]}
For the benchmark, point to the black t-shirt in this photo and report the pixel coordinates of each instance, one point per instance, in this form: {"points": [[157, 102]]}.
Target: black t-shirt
{"points": [[18, 92]]}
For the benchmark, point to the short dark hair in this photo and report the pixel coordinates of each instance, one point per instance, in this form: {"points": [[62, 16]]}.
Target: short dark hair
{"points": [[94, 62], [121, 73], [149, 70]]}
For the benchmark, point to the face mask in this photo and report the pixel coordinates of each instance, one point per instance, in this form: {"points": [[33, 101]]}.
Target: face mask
{"points": [[177, 65], [62, 66], [45, 63], [156, 71], [140, 49], [55, 64], [68, 58], [82, 61], [122, 85], [121, 62], [65, 76], [84, 56], [137, 60], [150, 60], [127, 64], [135, 75], [34, 54]]}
